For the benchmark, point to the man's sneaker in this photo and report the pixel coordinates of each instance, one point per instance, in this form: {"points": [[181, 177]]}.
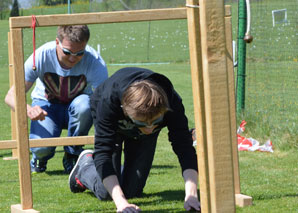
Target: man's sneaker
{"points": [[75, 184], [38, 166], [69, 160]]}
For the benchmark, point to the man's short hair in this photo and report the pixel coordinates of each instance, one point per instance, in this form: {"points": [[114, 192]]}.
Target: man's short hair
{"points": [[74, 33], [144, 99]]}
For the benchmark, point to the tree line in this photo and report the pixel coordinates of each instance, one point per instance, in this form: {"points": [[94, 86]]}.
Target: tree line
{"points": [[10, 8], [13, 6]]}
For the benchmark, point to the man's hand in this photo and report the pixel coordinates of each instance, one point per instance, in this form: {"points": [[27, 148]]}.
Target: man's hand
{"points": [[36, 113], [192, 203]]}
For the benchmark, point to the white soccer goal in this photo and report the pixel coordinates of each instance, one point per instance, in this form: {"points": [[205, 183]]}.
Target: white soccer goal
{"points": [[279, 16]]}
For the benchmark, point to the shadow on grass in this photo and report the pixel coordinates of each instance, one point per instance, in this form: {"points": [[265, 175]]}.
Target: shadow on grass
{"points": [[56, 172], [274, 196], [167, 196], [162, 167], [61, 172], [5, 153]]}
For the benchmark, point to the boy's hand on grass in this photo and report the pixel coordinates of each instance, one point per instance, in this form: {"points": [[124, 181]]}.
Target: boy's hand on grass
{"points": [[192, 203], [112, 185], [128, 208]]}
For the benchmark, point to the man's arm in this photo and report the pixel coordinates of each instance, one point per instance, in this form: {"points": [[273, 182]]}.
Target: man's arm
{"points": [[34, 113], [191, 196], [113, 187]]}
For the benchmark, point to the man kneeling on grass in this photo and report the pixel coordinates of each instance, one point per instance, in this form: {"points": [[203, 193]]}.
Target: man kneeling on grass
{"points": [[129, 109]]}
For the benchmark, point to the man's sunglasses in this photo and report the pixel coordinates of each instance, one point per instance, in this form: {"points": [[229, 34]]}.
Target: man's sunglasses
{"points": [[68, 52], [140, 124]]}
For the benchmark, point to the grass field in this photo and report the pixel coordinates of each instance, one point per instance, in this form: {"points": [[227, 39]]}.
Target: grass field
{"points": [[271, 101], [270, 178]]}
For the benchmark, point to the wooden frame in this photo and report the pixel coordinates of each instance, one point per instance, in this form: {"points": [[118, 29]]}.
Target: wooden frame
{"points": [[213, 93], [12, 114]]}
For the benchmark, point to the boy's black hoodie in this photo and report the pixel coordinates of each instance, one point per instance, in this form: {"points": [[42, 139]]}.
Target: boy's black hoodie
{"points": [[109, 119]]}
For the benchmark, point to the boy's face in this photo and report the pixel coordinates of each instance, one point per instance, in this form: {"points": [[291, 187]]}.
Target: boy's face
{"points": [[147, 126], [69, 53]]}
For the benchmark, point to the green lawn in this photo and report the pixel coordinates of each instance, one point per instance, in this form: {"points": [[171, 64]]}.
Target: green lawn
{"points": [[271, 179]]}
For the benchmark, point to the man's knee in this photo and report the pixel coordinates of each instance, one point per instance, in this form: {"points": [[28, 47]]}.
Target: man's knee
{"points": [[81, 106], [42, 152]]}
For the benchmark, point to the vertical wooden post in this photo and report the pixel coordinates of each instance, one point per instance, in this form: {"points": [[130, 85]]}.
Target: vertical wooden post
{"points": [[198, 100], [22, 125], [240, 199], [217, 106], [231, 87], [12, 113]]}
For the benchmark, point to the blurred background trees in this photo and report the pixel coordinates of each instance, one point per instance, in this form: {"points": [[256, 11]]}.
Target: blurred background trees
{"points": [[15, 9]]}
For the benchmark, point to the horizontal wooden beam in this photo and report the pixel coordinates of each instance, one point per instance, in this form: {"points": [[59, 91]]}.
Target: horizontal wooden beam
{"points": [[8, 144], [45, 142], [99, 17], [103, 17]]}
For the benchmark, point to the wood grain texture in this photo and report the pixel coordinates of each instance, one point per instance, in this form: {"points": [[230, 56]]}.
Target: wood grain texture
{"points": [[101, 17], [231, 87], [46, 142], [194, 37], [21, 118], [12, 113], [217, 105]]}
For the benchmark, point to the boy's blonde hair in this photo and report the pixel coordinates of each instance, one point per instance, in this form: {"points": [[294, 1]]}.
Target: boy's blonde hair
{"points": [[144, 99]]}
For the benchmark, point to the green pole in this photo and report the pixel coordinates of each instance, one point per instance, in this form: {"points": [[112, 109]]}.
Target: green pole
{"points": [[242, 15], [68, 6]]}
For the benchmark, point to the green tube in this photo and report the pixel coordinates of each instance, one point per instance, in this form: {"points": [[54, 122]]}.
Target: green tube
{"points": [[68, 6], [240, 99]]}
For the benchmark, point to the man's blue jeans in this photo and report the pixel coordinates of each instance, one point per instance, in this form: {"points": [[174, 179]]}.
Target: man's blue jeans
{"points": [[75, 117]]}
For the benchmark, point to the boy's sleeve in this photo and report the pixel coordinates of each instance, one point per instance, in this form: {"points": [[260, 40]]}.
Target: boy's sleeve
{"points": [[105, 138], [180, 136]]}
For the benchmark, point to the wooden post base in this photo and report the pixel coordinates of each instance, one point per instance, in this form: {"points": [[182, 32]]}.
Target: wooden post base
{"points": [[10, 158], [243, 200], [14, 155], [18, 209]]}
